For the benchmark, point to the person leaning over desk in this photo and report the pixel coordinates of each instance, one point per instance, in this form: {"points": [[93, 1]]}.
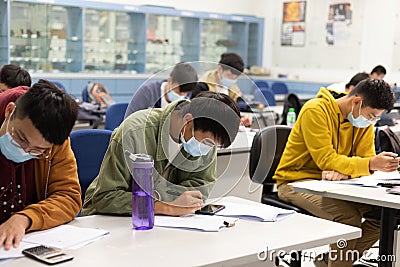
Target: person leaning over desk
{"points": [[39, 186], [182, 139], [333, 139]]}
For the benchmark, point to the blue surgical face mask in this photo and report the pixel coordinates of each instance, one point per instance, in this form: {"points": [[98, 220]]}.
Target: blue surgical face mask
{"points": [[10, 151], [194, 147], [172, 96], [360, 121], [227, 82]]}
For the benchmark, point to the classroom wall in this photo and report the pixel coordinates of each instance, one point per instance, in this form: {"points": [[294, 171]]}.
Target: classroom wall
{"points": [[375, 37]]}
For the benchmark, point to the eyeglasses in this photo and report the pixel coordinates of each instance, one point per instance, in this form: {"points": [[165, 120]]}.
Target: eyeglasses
{"points": [[210, 142], [35, 153]]}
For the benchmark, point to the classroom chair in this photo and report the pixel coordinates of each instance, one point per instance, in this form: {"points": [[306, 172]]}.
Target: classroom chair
{"points": [[265, 155], [60, 86], [115, 115], [261, 84], [265, 96], [279, 88], [89, 147]]}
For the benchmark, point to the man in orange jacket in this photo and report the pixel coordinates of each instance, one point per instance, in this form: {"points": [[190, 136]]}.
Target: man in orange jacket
{"points": [[39, 186]]}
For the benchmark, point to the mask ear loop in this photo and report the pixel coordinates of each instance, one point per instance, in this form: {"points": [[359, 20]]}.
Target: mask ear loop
{"points": [[9, 118]]}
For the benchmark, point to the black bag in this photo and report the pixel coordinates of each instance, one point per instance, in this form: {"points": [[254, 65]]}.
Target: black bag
{"points": [[386, 140]]}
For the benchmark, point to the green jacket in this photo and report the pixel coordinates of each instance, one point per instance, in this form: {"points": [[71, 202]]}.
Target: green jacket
{"points": [[145, 132]]}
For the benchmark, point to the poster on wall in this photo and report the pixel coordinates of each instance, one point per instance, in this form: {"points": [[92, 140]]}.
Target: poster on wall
{"points": [[293, 23], [338, 27]]}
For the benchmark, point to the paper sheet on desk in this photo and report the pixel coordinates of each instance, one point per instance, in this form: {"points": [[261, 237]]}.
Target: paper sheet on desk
{"points": [[15, 252], [193, 222], [65, 236], [374, 179], [259, 212]]}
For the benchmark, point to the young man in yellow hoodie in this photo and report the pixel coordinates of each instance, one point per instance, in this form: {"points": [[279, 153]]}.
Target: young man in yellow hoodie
{"points": [[333, 139]]}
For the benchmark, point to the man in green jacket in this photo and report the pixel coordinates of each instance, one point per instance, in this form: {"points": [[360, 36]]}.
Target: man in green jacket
{"points": [[182, 139], [333, 139]]}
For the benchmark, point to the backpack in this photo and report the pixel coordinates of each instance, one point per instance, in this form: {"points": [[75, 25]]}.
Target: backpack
{"points": [[386, 140], [98, 94]]}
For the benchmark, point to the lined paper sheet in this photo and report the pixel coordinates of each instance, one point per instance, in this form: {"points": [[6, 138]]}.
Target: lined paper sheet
{"points": [[193, 222], [65, 236], [259, 212]]}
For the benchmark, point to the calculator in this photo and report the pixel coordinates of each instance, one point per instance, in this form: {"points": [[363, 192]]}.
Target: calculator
{"points": [[46, 254]]}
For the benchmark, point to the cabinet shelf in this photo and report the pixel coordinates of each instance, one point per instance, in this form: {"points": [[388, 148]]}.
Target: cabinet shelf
{"points": [[75, 36]]}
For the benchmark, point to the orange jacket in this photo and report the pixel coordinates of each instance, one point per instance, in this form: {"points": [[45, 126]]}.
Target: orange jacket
{"points": [[57, 189]]}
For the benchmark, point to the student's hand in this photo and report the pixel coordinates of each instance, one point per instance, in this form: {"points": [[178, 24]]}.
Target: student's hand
{"points": [[385, 161], [13, 230], [246, 121], [187, 203], [333, 176]]}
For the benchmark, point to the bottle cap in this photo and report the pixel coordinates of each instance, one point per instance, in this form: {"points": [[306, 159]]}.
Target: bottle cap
{"points": [[291, 109]]}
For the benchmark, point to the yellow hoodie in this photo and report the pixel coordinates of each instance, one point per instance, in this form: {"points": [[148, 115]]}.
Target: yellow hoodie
{"points": [[322, 140]]}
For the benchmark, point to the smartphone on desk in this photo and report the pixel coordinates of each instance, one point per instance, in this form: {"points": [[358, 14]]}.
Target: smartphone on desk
{"points": [[210, 209], [46, 254]]}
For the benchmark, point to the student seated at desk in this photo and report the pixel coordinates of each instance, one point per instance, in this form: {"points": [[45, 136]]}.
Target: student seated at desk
{"points": [[12, 76], [39, 186], [182, 139], [333, 139], [224, 80], [181, 81]]}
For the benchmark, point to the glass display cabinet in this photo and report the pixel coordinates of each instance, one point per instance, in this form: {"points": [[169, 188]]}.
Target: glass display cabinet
{"points": [[62, 36]]}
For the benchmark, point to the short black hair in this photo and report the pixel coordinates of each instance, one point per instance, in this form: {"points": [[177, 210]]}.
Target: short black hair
{"points": [[200, 87], [13, 76], [51, 111], [184, 75], [357, 78], [375, 94], [216, 113], [379, 70], [232, 62]]}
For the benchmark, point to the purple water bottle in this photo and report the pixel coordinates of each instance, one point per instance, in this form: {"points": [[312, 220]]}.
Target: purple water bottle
{"points": [[142, 191]]}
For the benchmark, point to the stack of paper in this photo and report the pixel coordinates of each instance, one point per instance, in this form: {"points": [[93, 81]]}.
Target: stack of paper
{"points": [[62, 237], [259, 212], [194, 222], [65, 236]]}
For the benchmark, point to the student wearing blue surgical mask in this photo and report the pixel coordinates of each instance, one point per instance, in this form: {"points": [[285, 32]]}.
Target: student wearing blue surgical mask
{"points": [[333, 139], [182, 139], [224, 80], [157, 94], [39, 186]]}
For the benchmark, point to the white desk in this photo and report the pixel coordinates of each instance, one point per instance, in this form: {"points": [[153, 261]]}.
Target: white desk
{"points": [[236, 246], [369, 195]]}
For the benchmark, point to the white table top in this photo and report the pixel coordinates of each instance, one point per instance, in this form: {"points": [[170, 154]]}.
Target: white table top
{"points": [[368, 195], [242, 142], [175, 247]]}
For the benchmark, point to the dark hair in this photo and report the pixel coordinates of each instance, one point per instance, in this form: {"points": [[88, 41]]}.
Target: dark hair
{"points": [[357, 78], [379, 70], [216, 113], [51, 111], [200, 87], [375, 94], [13, 76], [184, 75], [232, 62]]}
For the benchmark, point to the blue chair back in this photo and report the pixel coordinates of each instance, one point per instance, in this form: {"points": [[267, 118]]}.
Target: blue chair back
{"points": [[261, 84], [60, 86], [115, 115], [279, 88], [265, 96], [85, 94], [89, 147]]}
